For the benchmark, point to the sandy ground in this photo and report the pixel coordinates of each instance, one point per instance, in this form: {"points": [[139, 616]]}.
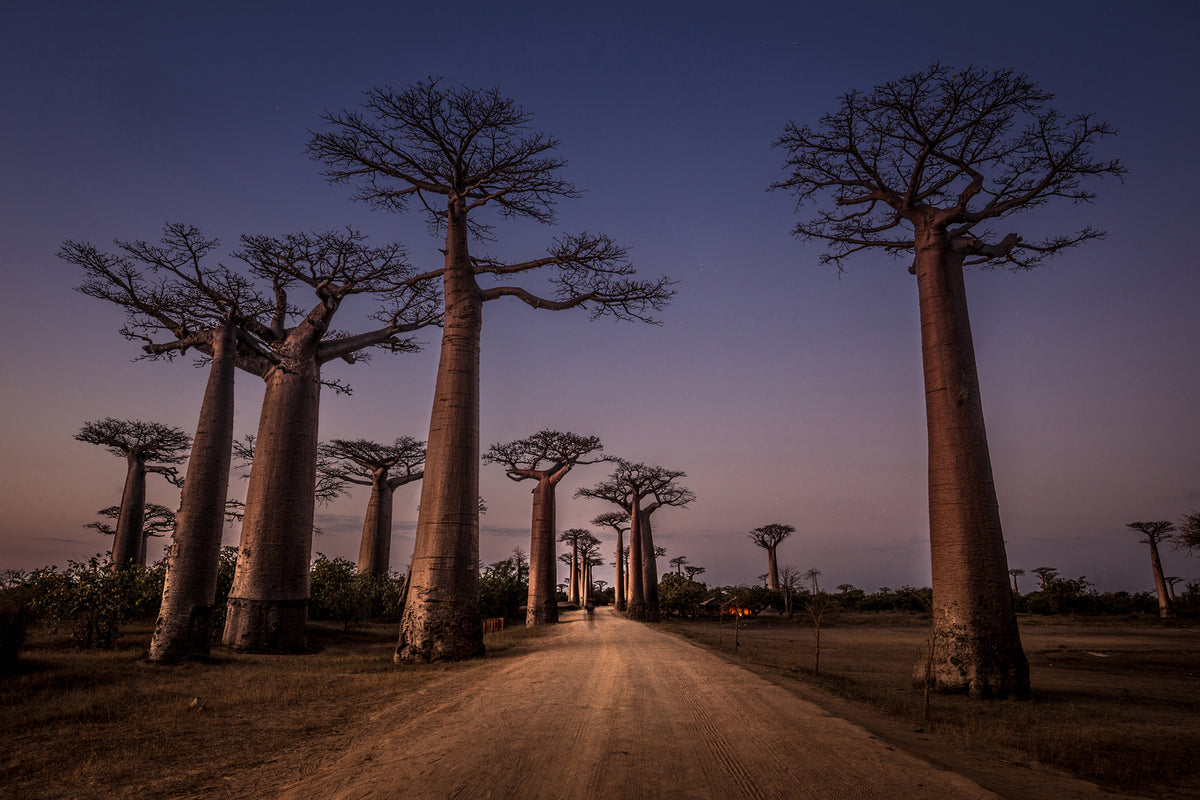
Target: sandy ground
{"points": [[607, 708]]}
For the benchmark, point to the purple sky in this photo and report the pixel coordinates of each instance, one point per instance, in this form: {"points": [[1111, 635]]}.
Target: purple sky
{"points": [[787, 392]]}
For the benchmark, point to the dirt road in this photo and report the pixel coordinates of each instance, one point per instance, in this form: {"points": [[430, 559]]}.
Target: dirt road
{"points": [[607, 708]]}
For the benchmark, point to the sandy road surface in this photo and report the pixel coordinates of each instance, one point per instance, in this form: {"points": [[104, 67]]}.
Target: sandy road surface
{"points": [[614, 709]]}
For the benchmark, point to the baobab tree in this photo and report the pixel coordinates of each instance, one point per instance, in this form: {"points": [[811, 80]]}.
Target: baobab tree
{"points": [[572, 537], [678, 562], [1187, 536], [1045, 575], [1153, 533], [768, 537], [383, 467], [545, 457], [1015, 573], [175, 301], [924, 165], [146, 447], [619, 522], [459, 151], [269, 599], [692, 571], [158, 521], [629, 486], [589, 556]]}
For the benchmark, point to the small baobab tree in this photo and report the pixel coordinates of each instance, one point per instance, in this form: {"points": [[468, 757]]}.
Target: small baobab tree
{"points": [[1015, 574], [1045, 576], [146, 447], [461, 152], [678, 563], [925, 165], [619, 522], [692, 571], [769, 537], [546, 457], [631, 486], [157, 522], [383, 467], [1153, 533]]}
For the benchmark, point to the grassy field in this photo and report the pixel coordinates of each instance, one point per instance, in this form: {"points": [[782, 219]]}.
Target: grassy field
{"points": [[1115, 701], [109, 724]]}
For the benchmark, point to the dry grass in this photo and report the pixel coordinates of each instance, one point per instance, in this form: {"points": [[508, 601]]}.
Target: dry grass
{"points": [[1117, 703], [124, 728]]}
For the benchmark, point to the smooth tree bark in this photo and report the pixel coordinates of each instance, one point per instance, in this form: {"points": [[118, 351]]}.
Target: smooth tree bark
{"points": [[768, 537], [157, 521], [384, 468], [459, 151], [146, 447], [923, 165], [1153, 533], [571, 537], [176, 302], [268, 603], [628, 486], [618, 521], [546, 457]]}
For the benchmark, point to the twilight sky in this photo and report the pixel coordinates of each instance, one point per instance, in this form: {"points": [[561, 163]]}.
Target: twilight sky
{"points": [[787, 392]]}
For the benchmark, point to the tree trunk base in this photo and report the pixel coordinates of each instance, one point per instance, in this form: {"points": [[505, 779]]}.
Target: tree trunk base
{"points": [[980, 667], [542, 613], [173, 642], [454, 635], [275, 626], [643, 612]]}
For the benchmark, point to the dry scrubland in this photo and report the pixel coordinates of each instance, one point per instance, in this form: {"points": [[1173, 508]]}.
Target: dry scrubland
{"points": [[1115, 702]]}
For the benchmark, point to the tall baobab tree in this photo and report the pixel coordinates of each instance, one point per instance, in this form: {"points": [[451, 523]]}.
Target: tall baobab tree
{"points": [[545, 457], [175, 301], [630, 486], [158, 521], [589, 556], [1155, 532], [269, 599], [924, 165], [768, 538], [146, 447], [619, 522], [459, 152], [383, 467]]}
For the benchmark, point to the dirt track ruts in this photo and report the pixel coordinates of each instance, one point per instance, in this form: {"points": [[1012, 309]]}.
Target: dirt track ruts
{"points": [[608, 708]]}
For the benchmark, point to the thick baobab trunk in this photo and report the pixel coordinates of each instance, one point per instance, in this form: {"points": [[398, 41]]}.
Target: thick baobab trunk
{"points": [[637, 597], [127, 539], [375, 551], [542, 605], [649, 570], [1160, 583], [268, 604], [619, 590], [976, 645], [184, 627], [772, 570], [441, 619]]}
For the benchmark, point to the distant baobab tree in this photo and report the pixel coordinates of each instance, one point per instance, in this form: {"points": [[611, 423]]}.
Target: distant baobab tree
{"points": [[768, 537], [1155, 532], [619, 522], [146, 447], [925, 165], [383, 467], [589, 556], [1045, 575], [692, 571], [573, 537], [546, 457], [1015, 573], [157, 522], [629, 486], [459, 151], [678, 563], [1171, 580]]}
